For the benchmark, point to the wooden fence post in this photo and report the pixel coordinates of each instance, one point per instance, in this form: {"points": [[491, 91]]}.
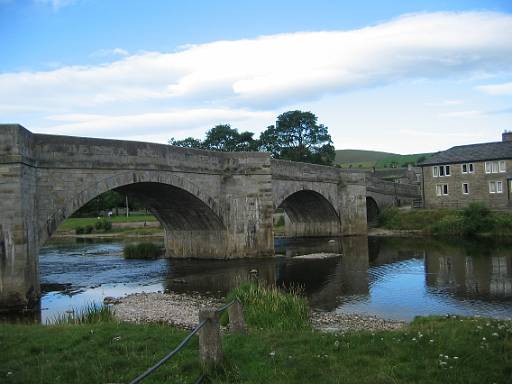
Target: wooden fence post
{"points": [[236, 318], [210, 343]]}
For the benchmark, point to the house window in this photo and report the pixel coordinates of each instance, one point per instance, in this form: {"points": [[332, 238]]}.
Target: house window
{"points": [[495, 187], [467, 168], [465, 188], [495, 166], [440, 171], [441, 189]]}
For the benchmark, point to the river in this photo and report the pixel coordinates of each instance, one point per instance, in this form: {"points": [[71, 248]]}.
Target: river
{"points": [[394, 278]]}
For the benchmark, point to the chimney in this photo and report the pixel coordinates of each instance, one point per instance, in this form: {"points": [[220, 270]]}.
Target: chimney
{"points": [[506, 136]]}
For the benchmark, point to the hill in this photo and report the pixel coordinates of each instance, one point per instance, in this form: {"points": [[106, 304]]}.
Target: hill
{"points": [[358, 158]]}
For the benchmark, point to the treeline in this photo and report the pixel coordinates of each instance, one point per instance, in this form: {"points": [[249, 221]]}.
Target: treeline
{"points": [[296, 136], [111, 201]]}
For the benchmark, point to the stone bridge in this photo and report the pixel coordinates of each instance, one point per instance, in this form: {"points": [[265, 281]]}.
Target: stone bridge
{"points": [[210, 204]]}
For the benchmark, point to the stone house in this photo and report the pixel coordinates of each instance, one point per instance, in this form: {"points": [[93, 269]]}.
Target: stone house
{"points": [[469, 173]]}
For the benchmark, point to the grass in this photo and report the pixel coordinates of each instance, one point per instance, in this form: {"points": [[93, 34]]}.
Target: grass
{"points": [[353, 158], [91, 314], [431, 350], [142, 251], [268, 307], [73, 223], [474, 220]]}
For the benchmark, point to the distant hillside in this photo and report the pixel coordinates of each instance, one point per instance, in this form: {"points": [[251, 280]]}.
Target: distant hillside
{"points": [[359, 155], [358, 158]]}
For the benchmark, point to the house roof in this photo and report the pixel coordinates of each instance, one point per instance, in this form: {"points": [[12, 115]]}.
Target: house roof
{"points": [[473, 152]]}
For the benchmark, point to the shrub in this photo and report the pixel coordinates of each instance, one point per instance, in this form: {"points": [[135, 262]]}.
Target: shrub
{"points": [[449, 226], [142, 251], [477, 219], [88, 229], [103, 225], [79, 230], [280, 221], [388, 217], [271, 308]]}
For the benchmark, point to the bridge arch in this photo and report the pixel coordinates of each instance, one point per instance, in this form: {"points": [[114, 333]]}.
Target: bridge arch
{"points": [[372, 211], [184, 210], [309, 213]]}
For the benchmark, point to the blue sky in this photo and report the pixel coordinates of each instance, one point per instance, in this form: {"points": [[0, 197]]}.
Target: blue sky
{"points": [[400, 76]]}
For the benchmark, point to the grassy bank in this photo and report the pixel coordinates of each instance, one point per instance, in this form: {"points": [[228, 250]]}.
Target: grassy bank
{"points": [[280, 347], [431, 350], [475, 220], [73, 223]]}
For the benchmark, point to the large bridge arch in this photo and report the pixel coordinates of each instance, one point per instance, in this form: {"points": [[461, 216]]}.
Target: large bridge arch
{"points": [[129, 182], [308, 213]]}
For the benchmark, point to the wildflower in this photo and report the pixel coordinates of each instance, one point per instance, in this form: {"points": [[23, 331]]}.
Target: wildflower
{"points": [[431, 341], [336, 344], [117, 338], [455, 357], [413, 339], [272, 354], [483, 339], [495, 334]]}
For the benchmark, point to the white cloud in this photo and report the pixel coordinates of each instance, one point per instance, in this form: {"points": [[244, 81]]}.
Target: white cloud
{"points": [[265, 73], [464, 114], [110, 52], [497, 89]]}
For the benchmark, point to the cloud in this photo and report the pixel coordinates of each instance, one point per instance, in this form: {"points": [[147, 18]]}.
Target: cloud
{"points": [[179, 123], [497, 89], [270, 72], [110, 52], [465, 114]]}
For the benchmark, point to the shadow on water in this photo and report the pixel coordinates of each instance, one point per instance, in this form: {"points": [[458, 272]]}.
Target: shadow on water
{"points": [[390, 277]]}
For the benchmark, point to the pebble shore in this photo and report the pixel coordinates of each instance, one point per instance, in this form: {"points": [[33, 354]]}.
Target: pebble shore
{"points": [[182, 311]]}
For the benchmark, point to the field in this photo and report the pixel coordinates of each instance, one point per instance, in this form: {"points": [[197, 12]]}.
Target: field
{"points": [[362, 159]]}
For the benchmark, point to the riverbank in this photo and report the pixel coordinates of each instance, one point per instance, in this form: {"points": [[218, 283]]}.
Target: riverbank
{"points": [[430, 350], [182, 310]]}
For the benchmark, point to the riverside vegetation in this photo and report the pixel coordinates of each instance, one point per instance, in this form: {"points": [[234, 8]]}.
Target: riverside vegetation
{"points": [[280, 347], [474, 220]]}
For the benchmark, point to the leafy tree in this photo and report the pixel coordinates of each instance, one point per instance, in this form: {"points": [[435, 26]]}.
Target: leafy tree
{"points": [[189, 142], [224, 138], [297, 136]]}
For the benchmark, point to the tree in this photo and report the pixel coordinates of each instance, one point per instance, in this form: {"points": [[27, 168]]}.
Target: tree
{"points": [[224, 138], [297, 136], [189, 142]]}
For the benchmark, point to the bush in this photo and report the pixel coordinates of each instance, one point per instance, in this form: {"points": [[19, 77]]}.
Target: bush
{"points": [[271, 308], [80, 230], [91, 314], [449, 226], [88, 229], [280, 221], [103, 225], [142, 251], [389, 217], [477, 219]]}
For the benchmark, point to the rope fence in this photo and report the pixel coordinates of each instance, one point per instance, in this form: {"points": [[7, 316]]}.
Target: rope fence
{"points": [[210, 342]]}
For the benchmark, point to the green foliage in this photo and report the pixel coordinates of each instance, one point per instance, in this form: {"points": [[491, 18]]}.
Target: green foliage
{"points": [[297, 136], [453, 225], [142, 251], [79, 230], [431, 350], [189, 142], [270, 308], [91, 314], [402, 161], [280, 221], [88, 229], [103, 225]]}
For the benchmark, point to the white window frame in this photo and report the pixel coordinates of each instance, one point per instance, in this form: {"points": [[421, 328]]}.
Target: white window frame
{"points": [[440, 189], [495, 186], [465, 190], [502, 166], [495, 166], [470, 168], [435, 171]]}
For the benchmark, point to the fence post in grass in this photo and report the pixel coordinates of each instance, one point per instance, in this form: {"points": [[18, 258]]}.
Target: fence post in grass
{"points": [[236, 318], [210, 345]]}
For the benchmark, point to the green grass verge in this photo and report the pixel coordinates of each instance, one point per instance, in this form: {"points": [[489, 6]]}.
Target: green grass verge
{"points": [[430, 350], [74, 222], [473, 220]]}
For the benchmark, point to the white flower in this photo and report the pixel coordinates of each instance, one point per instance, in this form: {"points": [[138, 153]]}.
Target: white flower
{"points": [[272, 354]]}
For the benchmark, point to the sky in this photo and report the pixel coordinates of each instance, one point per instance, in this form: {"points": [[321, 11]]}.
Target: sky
{"points": [[398, 76]]}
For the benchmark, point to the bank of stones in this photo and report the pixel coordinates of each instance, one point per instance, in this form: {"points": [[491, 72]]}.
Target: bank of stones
{"points": [[182, 310]]}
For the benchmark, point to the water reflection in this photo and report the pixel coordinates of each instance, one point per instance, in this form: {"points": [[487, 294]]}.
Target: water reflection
{"points": [[389, 277]]}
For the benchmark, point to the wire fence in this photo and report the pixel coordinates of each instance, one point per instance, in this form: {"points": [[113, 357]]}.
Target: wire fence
{"points": [[206, 317]]}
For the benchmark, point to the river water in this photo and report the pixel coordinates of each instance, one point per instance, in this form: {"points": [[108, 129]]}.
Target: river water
{"points": [[395, 278]]}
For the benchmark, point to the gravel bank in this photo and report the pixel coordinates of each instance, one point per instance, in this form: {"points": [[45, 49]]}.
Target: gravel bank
{"points": [[182, 310]]}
